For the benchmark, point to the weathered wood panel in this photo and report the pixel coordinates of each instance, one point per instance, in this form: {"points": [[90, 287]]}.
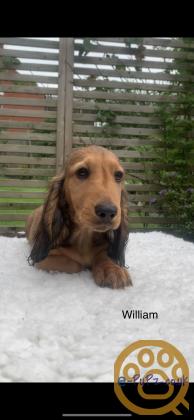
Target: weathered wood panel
{"points": [[162, 42], [60, 103]]}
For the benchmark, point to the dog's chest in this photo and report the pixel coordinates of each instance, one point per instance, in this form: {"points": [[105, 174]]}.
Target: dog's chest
{"points": [[86, 246]]}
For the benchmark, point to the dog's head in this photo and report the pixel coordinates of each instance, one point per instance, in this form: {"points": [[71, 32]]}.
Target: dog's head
{"points": [[88, 193]]}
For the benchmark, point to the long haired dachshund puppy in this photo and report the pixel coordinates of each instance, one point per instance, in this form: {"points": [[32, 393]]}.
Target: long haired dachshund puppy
{"points": [[84, 220]]}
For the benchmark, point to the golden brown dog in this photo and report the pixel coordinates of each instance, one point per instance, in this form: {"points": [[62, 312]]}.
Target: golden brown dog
{"points": [[84, 221]]}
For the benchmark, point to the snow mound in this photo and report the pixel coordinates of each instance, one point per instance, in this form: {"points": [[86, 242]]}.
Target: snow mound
{"points": [[63, 327]]}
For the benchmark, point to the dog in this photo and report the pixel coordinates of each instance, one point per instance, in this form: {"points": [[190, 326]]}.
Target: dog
{"points": [[84, 220]]}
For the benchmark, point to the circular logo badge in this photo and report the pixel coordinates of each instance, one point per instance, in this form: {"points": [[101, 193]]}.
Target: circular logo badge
{"points": [[152, 361]]}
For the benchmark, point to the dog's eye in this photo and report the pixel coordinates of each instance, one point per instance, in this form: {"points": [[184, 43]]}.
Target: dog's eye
{"points": [[118, 176], [82, 173]]}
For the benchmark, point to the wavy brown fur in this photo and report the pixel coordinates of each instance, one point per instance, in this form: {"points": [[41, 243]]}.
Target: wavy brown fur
{"points": [[66, 233]]}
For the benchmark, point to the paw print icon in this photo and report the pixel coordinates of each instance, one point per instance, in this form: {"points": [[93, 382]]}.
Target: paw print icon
{"points": [[156, 362]]}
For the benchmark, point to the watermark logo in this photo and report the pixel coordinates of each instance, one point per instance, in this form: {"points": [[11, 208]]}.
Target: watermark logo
{"points": [[156, 362]]}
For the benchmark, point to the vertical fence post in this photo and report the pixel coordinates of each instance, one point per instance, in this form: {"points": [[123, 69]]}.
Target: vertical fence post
{"points": [[65, 102]]}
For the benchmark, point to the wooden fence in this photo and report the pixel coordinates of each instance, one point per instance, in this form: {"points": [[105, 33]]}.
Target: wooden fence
{"points": [[58, 94]]}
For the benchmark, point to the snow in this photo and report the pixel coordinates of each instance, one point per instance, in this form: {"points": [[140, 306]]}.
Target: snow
{"points": [[64, 328]]}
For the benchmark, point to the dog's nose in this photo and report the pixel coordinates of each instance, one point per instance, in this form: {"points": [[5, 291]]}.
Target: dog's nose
{"points": [[106, 212]]}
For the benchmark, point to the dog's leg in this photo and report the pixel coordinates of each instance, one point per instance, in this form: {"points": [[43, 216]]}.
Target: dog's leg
{"points": [[106, 273], [58, 261]]}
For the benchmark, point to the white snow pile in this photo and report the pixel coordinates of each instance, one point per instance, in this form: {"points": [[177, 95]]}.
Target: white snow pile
{"points": [[64, 328]]}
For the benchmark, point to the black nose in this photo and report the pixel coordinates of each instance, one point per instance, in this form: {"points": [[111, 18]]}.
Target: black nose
{"points": [[106, 212]]}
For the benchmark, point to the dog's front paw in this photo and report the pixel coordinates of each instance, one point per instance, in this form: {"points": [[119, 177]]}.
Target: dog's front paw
{"points": [[108, 274]]}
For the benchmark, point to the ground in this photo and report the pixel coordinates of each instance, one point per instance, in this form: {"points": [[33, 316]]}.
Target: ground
{"points": [[62, 327]]}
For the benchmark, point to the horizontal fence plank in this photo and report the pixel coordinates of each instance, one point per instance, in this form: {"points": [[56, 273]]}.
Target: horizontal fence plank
{"points": [[149, 219], [162, 42], [132, 74], [141, 198], [13, 216], [23, 183], [173, 43], [125, 61], [26, 124], [143, 208], [36, 202], [43, 67], [51, 102], [115, 130], [39, 55], [163, 53], [130, 85], [11, 210], [140, 176], [143, 187], [28, 42], [91, 105], [113, 141], [118, 119], [126, 96], [27, 113], [27, 149], [28, 171], [18, 77], [27, 136], [12, 228], [135, 154], [27, 160], [22, 194], [14, 88], [146, 165], [17, 206]]}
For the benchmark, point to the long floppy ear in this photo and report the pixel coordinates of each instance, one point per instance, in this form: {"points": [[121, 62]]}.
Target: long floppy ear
{"points": [[118, 238], [54, 226]]}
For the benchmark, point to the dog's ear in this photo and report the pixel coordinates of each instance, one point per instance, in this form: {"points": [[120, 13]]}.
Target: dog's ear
{"points": [[54, 226], [118, 238]]}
